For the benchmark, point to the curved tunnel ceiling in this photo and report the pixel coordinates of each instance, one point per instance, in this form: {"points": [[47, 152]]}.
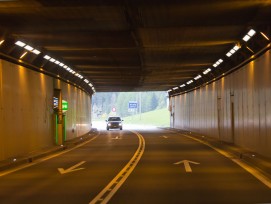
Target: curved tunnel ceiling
{"points": [[138, 45]]}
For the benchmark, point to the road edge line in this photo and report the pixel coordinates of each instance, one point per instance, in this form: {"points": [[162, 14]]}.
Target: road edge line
{"points": [[253, 171], [3, 173]]}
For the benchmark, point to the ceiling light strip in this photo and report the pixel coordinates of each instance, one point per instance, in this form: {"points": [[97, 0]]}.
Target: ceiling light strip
{"points": [[47, 57]]}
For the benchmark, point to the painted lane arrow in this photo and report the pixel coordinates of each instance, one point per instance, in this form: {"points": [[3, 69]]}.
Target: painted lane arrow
{"points": [[116, 138], [71, 169], [164, 137], [186, 165]]}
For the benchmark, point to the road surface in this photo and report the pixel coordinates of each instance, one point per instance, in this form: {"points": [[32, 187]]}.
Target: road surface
{"points": [[137, 166]]}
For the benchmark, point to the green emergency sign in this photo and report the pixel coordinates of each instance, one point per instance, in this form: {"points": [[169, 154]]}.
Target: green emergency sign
{"points": [[64, 105]]}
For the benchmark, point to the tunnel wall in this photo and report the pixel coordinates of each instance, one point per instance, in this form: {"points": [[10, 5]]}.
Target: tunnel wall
{"points": [[235, 109], [26, 110]]}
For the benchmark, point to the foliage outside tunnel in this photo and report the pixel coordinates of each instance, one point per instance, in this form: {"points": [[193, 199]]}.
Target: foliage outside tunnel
{"points": [[145, 107]]}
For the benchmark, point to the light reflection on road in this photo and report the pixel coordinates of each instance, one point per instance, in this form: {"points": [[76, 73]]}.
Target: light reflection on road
{"points": [[101, 125]]}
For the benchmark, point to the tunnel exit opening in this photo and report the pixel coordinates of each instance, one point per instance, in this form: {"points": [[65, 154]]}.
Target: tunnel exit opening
{"points": [[135, 108]]}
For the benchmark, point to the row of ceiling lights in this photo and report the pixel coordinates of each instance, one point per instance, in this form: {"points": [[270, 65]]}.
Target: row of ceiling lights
{"points": [[51, 59], [246, 38]]}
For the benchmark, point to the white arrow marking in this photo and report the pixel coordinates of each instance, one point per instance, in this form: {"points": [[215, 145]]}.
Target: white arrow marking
{"points": [[164, 137], [187, 165], [71, 169]]}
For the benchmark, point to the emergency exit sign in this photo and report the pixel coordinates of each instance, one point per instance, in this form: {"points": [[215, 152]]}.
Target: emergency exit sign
{"points": [[65, 105]]}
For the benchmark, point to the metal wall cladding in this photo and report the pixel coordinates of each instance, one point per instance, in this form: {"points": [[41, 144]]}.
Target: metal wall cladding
{"points": [[26, 110], [236, 108], [78, 117]]}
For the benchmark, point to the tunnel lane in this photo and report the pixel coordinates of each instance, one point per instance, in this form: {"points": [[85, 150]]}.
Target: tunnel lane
{"points": [[74, 177], [177, 169], [173, 169]]}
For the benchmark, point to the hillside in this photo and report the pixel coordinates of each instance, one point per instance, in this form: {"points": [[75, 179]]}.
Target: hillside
{"points": [[159, 118]]}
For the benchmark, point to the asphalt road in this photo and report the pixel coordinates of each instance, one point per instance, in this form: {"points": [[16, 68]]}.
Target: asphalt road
{"points": [[157, 173]]}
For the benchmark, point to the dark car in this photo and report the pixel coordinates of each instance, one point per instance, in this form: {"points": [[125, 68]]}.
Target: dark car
{"points": [[114, 123]]}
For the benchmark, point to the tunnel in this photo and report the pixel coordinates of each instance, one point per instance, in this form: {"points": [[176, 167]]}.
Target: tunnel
{"points": [[212, 58]]}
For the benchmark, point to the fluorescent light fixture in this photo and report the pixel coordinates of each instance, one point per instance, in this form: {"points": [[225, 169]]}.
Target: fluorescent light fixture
{"points": [[236, 47], [57, 62], [73, 72], [189, 82], [2, 42], [197, 77], [251, 32], [29, 48], [183, 85], [207, 71], [68, 68], [246, 38], [61, 64], [229, 54], [218, 62], [87, 81], [37, 52], [169, 90], [52, 60], [65, 66], [47, 57], [20, 43], [175, 88], [232, 51]]}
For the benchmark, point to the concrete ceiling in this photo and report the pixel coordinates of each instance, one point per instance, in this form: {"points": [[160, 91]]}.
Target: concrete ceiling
{"points": [[136, 45]]}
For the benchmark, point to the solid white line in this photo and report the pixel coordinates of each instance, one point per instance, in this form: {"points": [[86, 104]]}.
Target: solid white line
{"points": [[256, 173], [122, 175], [45, 158]]}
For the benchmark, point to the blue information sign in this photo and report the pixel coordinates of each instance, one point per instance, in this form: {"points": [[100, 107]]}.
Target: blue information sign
{"points": [[132, 105]]}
